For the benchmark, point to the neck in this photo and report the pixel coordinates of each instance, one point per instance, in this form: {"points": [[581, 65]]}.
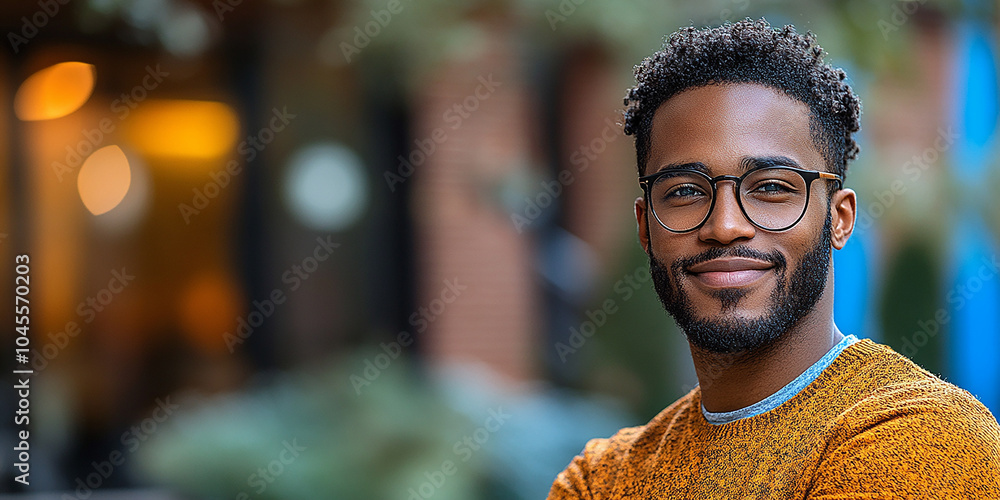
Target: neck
{"points": [[733, 381]]}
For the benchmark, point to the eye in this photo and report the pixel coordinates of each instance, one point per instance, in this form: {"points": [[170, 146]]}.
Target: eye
{"points": [[773, 186], [685, 190]]}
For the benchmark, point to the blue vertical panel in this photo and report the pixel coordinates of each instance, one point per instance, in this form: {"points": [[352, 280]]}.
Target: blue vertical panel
{"points": [[973, 295], [852, 281], [976, 86], [973, 299]]}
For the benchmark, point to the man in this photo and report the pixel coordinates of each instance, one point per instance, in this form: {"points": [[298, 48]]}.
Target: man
{"points": [[742, 137]]}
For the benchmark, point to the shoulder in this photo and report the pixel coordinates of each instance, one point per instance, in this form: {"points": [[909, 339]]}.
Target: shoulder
{"points": [[926, 412], [891, 386], [910, 429]]}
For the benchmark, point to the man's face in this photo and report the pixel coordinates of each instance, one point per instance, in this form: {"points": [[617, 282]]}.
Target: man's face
{"points": [[731, 286]]}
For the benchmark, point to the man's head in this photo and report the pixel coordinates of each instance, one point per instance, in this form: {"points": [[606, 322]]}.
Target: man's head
{"points": [[748, 52], [738, 270]]}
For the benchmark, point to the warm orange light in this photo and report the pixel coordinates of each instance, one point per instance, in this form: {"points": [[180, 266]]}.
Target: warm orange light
{"points": [[208, 307], [183, 129], [55, 91], [104, 179]]}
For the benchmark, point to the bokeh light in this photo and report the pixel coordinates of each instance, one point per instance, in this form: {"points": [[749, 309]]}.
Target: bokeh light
{"points": [[134, 206], [325, 187], [184, 31], [55, 91], [183, 129], [104, 179]]}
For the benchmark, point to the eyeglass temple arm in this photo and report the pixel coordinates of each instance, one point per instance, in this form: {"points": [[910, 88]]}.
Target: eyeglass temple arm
{"points": [[835, 177]]}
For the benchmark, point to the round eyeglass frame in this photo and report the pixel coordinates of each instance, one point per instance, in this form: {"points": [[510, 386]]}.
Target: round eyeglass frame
{"points": [[808, 176]]}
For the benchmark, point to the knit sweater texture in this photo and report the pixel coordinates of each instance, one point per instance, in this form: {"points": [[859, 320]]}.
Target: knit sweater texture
{"points": [[872, 425]]}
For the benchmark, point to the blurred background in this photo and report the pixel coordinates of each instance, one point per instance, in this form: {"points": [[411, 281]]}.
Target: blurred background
{"points": [[384, 249]]}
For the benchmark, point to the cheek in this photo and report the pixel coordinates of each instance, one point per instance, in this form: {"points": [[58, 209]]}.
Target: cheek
{"points": [[804, 237], [666, 246]]}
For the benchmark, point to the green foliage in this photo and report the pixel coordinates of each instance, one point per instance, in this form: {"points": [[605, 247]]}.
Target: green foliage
{"points": [[910, 297], [376, 444]]}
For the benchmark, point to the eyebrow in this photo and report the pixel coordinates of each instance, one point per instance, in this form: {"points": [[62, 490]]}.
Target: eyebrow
{"points": [[746, 163], [694, 165], [752, 162]]}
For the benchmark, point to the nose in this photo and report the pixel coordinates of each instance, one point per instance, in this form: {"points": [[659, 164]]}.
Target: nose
{"points": [[726, 224]]}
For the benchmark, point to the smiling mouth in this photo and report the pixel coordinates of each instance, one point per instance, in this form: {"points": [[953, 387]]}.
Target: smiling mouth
{"points": [[729, 272]]}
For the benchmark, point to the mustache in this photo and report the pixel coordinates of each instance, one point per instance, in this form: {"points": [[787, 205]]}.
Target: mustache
{"points": [[774, 257]]}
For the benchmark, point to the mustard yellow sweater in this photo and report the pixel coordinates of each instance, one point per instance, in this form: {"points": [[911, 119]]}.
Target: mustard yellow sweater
{"points": [[872, 425]]}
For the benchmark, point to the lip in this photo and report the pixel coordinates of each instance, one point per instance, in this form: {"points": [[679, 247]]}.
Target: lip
{"points": [[729, 272]]}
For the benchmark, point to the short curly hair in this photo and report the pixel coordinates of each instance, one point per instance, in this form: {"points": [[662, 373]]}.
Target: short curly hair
{"points": [[748, 52]]}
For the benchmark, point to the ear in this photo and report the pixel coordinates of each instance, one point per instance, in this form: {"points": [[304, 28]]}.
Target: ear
{"points": [[843, 207], [640, 219]]}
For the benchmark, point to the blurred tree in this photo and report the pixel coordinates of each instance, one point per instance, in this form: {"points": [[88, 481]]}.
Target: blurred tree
{"points": [[909, 300]]}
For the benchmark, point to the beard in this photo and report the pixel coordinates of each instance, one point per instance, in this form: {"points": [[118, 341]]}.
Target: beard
{"points": [[790, 300]]}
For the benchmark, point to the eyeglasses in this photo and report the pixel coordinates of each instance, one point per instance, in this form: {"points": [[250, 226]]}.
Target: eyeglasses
{"points": [[772, 198]]}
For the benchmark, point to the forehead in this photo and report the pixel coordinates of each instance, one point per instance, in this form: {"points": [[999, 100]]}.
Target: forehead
{"points": [[719, 125]]}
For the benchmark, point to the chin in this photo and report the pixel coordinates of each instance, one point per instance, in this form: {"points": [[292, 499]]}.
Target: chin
{"points": [[742, 302]]}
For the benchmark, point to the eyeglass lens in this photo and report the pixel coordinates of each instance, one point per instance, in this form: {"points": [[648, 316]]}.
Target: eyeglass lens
{"points": [[772, 198]]}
